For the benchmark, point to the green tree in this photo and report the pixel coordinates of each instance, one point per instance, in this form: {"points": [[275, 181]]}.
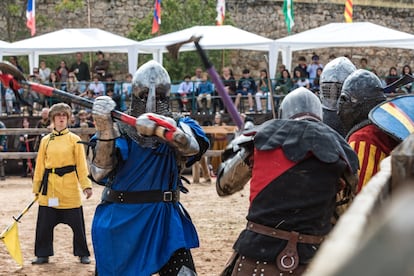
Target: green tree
{"points": [[177, 15]]}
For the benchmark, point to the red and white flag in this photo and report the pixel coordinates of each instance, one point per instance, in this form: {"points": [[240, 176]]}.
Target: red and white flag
{"points": [[156, 21], [221, 12], [30, 15]]}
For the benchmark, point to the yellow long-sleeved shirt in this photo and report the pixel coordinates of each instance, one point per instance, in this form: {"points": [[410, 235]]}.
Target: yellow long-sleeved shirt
{"points": [[56, 150]]}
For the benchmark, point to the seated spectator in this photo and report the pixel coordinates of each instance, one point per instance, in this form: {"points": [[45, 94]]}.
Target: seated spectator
{"points": [[300, 79], [72, 84], [90, 95], [97, 86], [408, 88], [392, 77], [246, 87], [229, 83], [196, 79], [184, 89], [126, 90], [84, 118], [44, 72], [115, 97], [315, 87], [263, 91], [205, 90], [313, 67], [54, 82], [63, 73], [111, 83], [284, 84]]}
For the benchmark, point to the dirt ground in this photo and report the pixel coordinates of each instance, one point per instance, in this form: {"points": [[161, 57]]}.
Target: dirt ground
{"points": [[218, 221]]}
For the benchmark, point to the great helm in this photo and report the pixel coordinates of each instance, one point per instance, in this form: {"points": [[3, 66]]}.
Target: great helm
{"points": [[333, 76], [151, 89], [300, 104]]}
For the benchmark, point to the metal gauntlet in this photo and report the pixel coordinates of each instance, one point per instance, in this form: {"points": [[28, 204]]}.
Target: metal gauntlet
{"points": [[234, 173], [184, 141], [103, 160]]}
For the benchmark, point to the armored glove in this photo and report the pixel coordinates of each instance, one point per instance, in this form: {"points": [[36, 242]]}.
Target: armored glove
{"points": [[150, 124], [148, 127], [101, 113]]}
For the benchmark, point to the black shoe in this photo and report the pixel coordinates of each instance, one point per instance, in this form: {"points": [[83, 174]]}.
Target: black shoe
{"points": [[84, 260], [40, 260]]}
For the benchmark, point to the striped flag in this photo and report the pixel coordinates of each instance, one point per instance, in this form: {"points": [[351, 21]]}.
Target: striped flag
{"points": [[221, 11], [30, 15], [156, 21], [288, 12], [348, 11]]}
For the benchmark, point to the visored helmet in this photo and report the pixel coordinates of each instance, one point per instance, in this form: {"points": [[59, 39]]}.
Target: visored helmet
{"points": [[361, 91], [151, 89], [333, 76], [300, 104]]}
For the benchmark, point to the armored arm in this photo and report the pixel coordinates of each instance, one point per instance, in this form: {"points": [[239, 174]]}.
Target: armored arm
{"points": [[181, 137], [104, 158], [236, 169], [345, 196]]}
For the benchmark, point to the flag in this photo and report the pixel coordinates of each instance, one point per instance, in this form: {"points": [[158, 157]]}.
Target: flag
{"points": [[10, 235], [348, 11], [288, 12], [221, 11], [156, 21], [10, 238], [30, 15]]}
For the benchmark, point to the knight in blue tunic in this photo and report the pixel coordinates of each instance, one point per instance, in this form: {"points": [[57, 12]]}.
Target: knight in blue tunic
{"points": [[140, 227]]}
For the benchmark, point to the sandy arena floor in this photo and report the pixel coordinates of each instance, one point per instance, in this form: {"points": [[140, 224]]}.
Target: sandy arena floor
{"points": [[218, 221]]}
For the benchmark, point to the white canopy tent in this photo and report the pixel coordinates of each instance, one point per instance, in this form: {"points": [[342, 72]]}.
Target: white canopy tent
{"points": [[213, 38], [3, 45], [75, 40], [358, 34]]}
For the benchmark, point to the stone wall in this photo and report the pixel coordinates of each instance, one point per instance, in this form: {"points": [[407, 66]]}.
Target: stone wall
{"points": [[260, 16]]}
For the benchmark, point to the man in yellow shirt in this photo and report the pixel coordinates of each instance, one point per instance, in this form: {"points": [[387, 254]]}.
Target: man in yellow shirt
{"points": [[61, 169]]}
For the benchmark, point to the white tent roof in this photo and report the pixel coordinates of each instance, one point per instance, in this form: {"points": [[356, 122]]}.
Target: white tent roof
{"points": [[358, 34], [3, 44], [213, 38], [76, 40]]}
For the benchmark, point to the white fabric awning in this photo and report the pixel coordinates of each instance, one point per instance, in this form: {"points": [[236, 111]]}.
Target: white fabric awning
{"points": [[75, 40], [213, 38], [358, 34]]}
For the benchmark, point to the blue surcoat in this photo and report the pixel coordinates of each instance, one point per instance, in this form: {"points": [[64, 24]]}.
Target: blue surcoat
{"points": [[138, 239]]}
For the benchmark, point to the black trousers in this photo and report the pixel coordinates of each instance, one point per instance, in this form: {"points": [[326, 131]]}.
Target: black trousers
{"points": [[48, 218]]}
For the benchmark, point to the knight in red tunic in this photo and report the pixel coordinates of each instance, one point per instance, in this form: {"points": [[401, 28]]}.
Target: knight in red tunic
{"points": [[361, 92], [298, 165]]}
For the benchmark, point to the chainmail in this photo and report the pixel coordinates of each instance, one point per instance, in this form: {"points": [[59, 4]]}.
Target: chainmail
{"points": [[332, 119], [137, 108]]}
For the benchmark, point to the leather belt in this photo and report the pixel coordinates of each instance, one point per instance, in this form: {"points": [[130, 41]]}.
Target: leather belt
{"points": [[282, 234], [152, 196], [59, 171]]}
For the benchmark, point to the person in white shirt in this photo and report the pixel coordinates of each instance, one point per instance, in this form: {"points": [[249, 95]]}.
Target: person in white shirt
{"points": [[184, 89], [44, 72], [97, 86]]}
